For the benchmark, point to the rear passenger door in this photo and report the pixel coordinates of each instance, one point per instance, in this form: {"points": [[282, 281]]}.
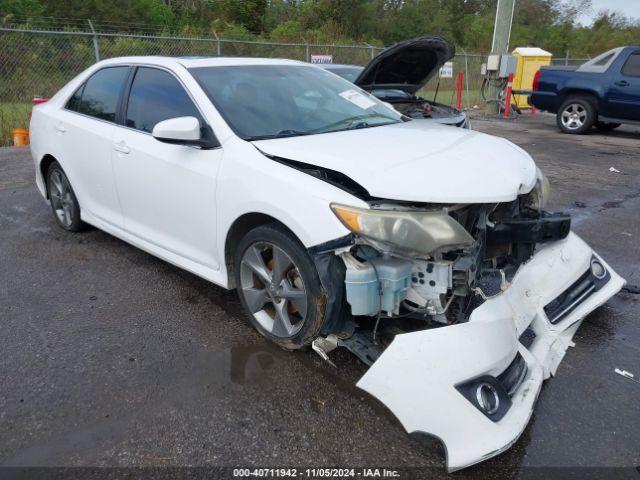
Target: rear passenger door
{"points": [[624, 92], [167, 191], [84, 129]]}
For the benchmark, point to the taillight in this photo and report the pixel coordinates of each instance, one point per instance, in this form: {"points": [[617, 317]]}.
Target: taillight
{"points": [[536, 80], [37, 101]]}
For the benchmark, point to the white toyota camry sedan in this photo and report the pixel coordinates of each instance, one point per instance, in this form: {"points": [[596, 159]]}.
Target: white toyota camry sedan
{"points": [[425, 250]]}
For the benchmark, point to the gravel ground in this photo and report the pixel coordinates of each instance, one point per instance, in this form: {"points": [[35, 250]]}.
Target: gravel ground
{"points": [[110, 357]]}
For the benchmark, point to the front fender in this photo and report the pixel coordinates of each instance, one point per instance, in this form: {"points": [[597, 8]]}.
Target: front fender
{"points": [[250, 182]]}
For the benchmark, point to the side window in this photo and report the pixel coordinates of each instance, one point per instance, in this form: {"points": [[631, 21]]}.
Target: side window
{"points": [[101, 92], [604, 60], [155, 96], [74, 102], [632, 65]]}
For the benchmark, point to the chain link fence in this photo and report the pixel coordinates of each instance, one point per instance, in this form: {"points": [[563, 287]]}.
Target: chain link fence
{"points": [[566, 61], [443, 90], [36, 62]]}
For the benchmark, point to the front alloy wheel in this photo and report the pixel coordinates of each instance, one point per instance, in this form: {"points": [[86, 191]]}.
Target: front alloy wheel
{"points": [[273, 289], [279, 287]]}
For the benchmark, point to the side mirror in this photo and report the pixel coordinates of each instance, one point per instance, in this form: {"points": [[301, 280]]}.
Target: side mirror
{"points": [[185, 131]]}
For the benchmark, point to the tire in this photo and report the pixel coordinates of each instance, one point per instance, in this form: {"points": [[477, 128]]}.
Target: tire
{"points": [[577, 114], [279, 287], [63, 200], [607, 127]]}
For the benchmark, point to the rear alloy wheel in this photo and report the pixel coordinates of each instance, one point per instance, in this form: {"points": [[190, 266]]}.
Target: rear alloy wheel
{"points": [[607, 127], [64, 203], [279, 287], [576, 115]]}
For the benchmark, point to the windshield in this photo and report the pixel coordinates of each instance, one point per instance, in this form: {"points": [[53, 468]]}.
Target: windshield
{"points": [[348, 73], [270, 101]]}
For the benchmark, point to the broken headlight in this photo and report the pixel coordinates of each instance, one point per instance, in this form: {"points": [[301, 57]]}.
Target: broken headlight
{"points": [[539, 196], [415, 231]]}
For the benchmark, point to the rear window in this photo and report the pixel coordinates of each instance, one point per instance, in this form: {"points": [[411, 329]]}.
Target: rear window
{"points": [[99, 96], [74, 101], [632, 65], [604, 60]]}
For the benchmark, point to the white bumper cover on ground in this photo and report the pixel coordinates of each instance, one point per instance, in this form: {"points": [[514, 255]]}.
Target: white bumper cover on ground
{"points": [[416, 375]]}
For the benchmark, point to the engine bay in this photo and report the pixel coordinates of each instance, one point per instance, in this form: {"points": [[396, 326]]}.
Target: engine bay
{"points": [[390, 290]]}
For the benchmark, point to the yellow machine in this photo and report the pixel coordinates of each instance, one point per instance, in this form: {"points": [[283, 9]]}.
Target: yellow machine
{"points": [[530, 59]]}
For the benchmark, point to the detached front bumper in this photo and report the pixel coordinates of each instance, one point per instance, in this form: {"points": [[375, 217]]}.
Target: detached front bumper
{"points": [[417, 375]]}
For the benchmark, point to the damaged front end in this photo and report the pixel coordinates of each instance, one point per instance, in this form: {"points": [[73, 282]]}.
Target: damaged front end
{"points": [[461, 311]]}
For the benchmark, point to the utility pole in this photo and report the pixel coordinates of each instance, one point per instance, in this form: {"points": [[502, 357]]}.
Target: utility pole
{"points": [[500, 45]]}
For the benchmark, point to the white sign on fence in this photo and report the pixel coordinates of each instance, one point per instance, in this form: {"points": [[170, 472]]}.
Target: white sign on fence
{"points": [[446, 71], [321, 58]]}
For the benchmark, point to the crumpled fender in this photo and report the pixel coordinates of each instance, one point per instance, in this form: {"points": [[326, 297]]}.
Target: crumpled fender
{"points": [[416, 375]]}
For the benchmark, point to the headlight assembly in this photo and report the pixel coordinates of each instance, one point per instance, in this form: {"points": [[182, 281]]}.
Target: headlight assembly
{"points": [[414, 231], [539, 196]]}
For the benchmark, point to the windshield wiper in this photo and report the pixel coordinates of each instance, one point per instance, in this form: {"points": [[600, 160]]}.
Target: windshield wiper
{"points": [[290, 133], [353, 123], [279, 134], [354, 126]]}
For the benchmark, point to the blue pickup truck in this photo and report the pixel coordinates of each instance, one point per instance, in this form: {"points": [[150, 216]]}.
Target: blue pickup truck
{"points": [[603, 92]]}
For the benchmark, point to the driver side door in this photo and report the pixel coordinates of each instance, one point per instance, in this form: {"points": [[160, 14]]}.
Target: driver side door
{"points": [[167, 192]]}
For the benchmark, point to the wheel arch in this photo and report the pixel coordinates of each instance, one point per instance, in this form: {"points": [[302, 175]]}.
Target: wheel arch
{"points": [[238, 229], [583, 92], [43, 167]]}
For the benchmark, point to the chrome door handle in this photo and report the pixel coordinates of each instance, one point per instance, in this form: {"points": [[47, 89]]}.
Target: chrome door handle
{"points": [[121, 147], [60, 128], [622, 83]]}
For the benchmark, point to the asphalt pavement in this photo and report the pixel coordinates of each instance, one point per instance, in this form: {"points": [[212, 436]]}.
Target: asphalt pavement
{"points": [[111, 357]]}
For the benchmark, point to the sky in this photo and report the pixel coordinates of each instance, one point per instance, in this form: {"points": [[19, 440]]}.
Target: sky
{"points": [[629, 8]]}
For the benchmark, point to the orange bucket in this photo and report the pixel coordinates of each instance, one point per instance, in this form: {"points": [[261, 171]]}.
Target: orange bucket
{"points": [[20, 137]]}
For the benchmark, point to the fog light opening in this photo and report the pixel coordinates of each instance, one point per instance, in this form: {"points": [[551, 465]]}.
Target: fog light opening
{"points": [[487, 398], [597, 269]]}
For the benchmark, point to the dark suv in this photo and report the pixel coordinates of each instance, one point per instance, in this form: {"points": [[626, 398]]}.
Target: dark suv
{"points": [[603, 92]]}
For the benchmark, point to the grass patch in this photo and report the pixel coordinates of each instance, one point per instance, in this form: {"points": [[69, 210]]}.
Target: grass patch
{"points": [[12, 115], [448, 97]]}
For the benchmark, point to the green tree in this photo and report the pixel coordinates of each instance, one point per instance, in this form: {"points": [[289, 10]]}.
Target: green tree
{"points": [[550, 24], [251, 14], [22, 8]]}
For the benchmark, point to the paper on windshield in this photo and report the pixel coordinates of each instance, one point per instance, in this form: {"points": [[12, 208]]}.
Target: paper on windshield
{"points": [[357, 98]]}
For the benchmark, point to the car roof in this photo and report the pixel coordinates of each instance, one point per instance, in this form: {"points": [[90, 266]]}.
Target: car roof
{"points": [[193, 62]]}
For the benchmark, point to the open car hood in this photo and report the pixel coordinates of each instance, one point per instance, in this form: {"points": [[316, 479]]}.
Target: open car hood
{"points": [[407, 65], [416, 161]]}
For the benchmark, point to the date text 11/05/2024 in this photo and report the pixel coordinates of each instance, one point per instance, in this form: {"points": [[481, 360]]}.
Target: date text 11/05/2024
{"points": [[317, 472]]}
